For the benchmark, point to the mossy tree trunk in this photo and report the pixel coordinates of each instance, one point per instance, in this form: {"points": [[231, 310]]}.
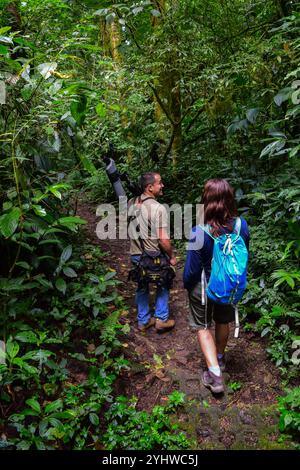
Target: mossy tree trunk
{"points": [[110, 37], [167, 96]]}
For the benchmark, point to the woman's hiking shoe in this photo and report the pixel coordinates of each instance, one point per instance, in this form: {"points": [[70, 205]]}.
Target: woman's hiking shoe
{"points": [[212, 381], [222, 363], [162, 326], [144, 327]]}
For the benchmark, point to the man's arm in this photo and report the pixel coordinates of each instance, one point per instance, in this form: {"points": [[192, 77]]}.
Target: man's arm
{"points": [[165, 244]]}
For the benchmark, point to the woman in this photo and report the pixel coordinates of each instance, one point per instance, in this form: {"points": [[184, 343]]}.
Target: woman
{"points": [[220, 214]]}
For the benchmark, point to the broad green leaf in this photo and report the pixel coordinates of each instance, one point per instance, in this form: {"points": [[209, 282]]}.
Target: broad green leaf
{"points": [[44, 282], [50, 241], [109, 275], [66, 254], [101, 12], [54, 406], [30, 369], [155, 13], [94, 419], [6, 40], [88, 165], [5, 29], [24, 265], [34, 404], [47, 69], [265, 331], [78, 108], [71, 220], [41, 355], [69, 272], [27, 337], [61, 285], [100, 350], [24, 445], [272, 147], [43, 426], [55, 192], [251, 114], [275, 133], [39, 210], [67, 414], [9, 222], [12, 349], [290, 282], [26, 73], [3, 50], [115, 107], [294, 151], [283, 95], [137, 10], [56, 423], [101, 110]]}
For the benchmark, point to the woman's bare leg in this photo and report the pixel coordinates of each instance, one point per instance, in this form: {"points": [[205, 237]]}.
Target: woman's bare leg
{"points": [[208, 347], [222, 334]]}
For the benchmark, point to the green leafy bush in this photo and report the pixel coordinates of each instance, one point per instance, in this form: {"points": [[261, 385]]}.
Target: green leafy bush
{"points": [[289, 408], [139, 430]]}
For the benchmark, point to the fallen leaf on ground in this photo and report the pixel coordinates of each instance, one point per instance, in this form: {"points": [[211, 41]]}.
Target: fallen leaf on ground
{"points": [[159, 374]]}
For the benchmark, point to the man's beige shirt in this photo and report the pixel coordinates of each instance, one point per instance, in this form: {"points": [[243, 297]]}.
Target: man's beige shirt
{"points": [[151, 215]]}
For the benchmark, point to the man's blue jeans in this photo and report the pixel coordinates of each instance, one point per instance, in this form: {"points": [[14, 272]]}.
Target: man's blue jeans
{"points": [[142, 301]]}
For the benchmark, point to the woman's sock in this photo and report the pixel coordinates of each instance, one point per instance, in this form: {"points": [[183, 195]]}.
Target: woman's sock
{"points": [[215, 370]]}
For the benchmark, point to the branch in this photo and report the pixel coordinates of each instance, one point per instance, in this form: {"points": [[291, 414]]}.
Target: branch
{"points": [[130, 30], [161, 103], [201, 110], [170, 144], [246, 30], [194, 139]]}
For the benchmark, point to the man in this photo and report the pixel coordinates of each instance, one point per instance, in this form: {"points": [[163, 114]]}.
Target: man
{"points": [[153, 216]]}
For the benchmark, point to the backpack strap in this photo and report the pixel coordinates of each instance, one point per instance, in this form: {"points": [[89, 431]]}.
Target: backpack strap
{"points": [[206, 229], [203, 287], [237, 226], [135, 216]]}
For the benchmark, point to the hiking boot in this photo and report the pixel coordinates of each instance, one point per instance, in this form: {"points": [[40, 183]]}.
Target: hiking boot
{"points": [[212, 381], [222, 363], [144, 327], [162, 326]]}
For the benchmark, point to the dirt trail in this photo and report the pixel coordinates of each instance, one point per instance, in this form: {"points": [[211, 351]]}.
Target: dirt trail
{"points": [[245, 418]]}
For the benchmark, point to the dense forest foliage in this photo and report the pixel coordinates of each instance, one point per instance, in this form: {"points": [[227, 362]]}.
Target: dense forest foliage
{"points": [[191, 88]]}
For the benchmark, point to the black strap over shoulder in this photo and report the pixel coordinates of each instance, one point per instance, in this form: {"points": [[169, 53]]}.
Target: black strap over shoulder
{"points": [[131, 218]]}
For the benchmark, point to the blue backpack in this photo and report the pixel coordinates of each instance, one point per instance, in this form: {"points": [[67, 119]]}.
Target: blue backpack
{"points": [[228, 281]]}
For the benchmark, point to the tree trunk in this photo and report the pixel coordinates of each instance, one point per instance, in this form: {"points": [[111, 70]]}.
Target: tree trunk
{"points": [[111, 40], [168, 93], [12, 10], [283, 7]]}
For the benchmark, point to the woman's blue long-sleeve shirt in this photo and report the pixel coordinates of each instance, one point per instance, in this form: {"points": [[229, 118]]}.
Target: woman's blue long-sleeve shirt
{"points": [[200, 258]]}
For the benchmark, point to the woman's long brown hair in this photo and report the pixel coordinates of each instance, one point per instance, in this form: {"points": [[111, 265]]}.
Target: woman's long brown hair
{"points": [[219, 205]]}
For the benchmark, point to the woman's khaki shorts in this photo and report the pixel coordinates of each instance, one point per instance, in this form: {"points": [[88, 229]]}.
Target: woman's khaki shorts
{"points": [[202, 315]]}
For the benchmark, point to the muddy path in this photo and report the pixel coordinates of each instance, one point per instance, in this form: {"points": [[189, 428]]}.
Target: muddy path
{"points": [[244, 417]]}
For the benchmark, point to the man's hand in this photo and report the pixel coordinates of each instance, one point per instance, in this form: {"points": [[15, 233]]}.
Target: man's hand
{"points": [[173, 261]]}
